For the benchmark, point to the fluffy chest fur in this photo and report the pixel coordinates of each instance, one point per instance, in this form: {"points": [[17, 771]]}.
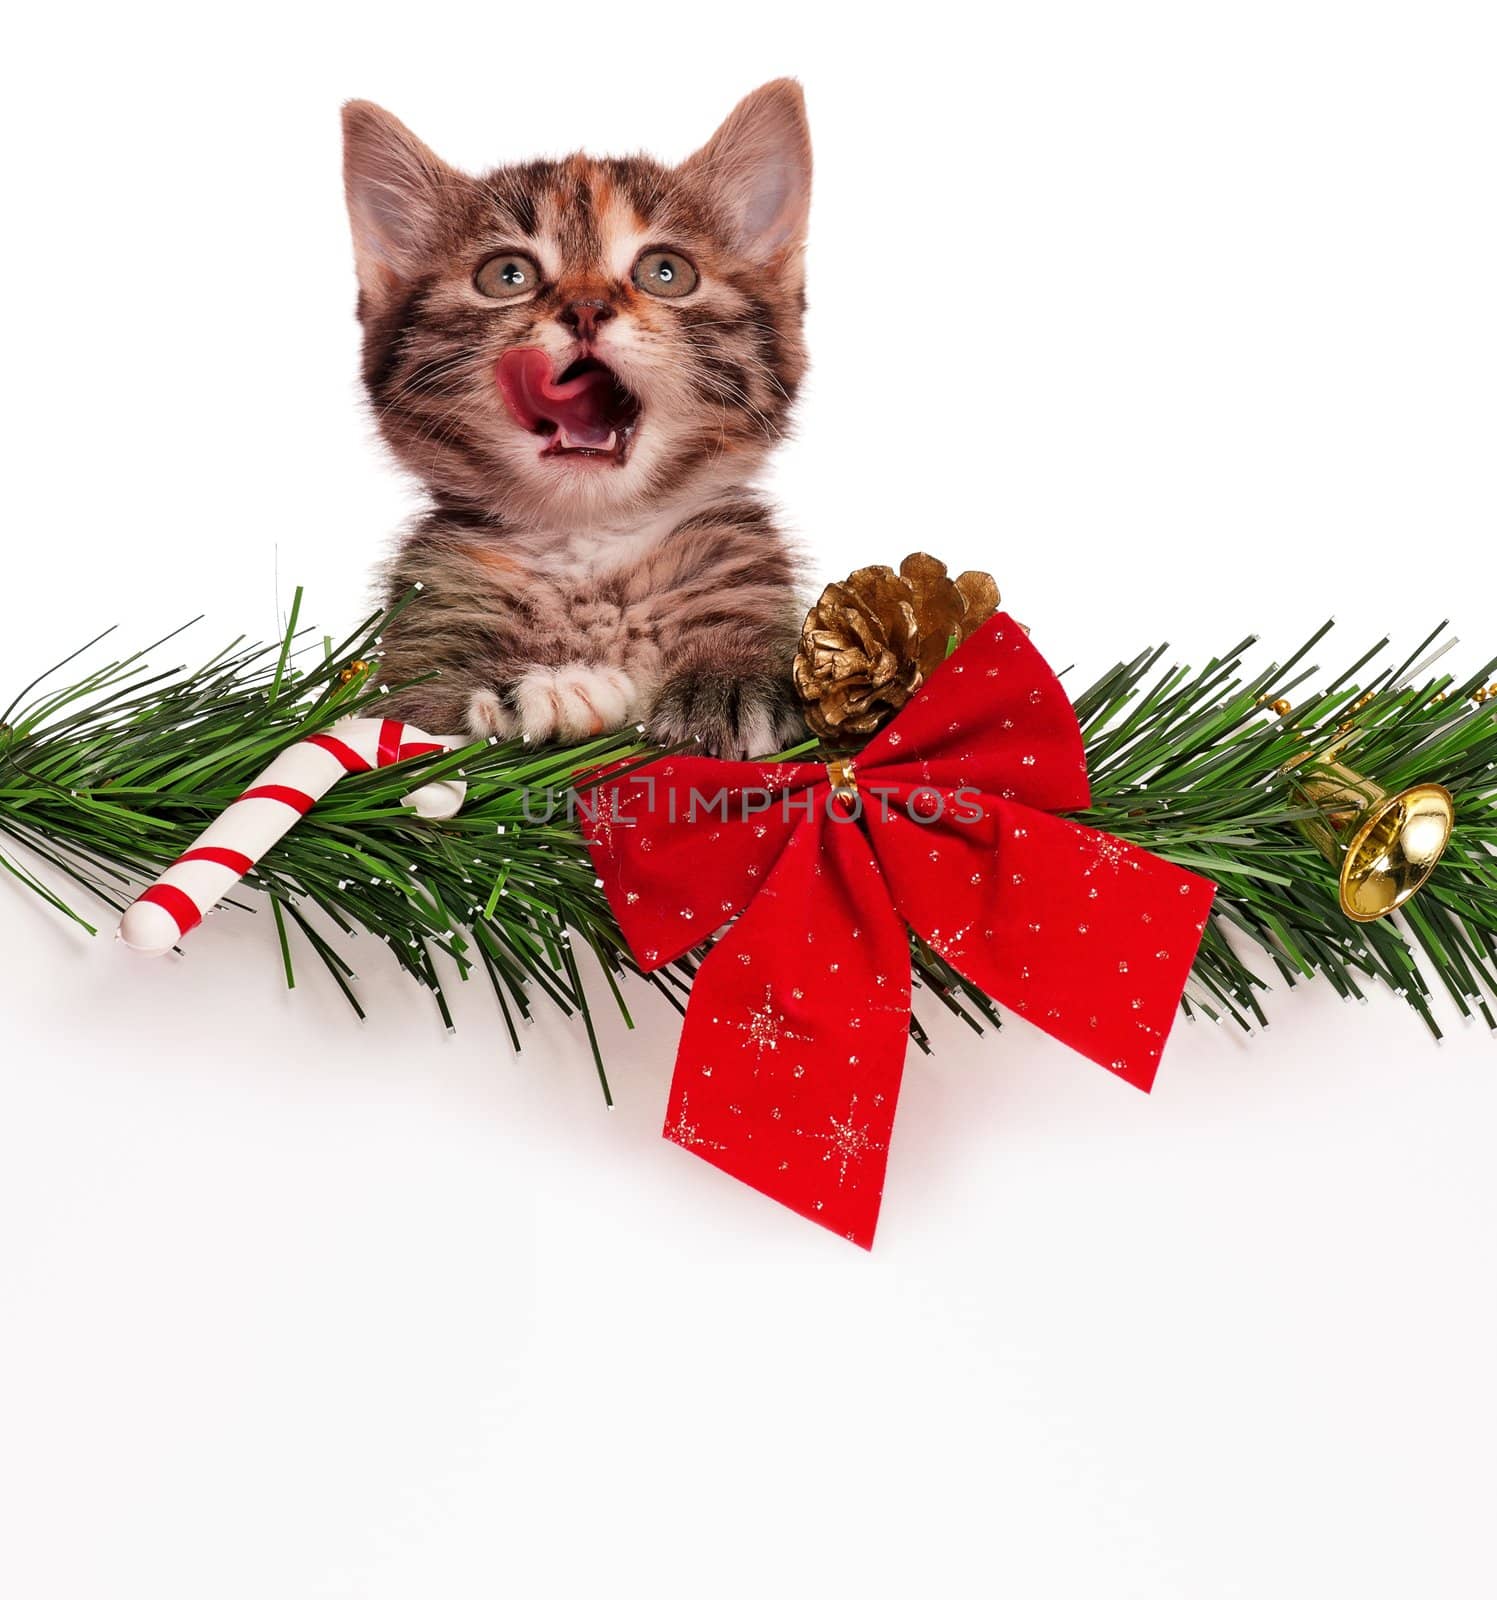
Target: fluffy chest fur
{"points": [[582, 555]]}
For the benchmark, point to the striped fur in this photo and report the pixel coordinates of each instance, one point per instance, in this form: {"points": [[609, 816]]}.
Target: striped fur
{"points": [[560, 598]]}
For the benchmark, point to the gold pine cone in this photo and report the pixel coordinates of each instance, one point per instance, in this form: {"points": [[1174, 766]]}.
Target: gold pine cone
{"points": [[870, 641]]}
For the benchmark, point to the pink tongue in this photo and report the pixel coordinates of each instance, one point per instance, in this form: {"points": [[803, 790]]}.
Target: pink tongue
{"points": [[577, 408]]}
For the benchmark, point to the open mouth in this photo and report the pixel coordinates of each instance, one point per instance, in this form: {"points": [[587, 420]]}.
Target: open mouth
{"points": [[584, 413]]}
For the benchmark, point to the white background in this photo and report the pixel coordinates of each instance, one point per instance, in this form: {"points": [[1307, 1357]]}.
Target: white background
{"points": [[1180, 319]]}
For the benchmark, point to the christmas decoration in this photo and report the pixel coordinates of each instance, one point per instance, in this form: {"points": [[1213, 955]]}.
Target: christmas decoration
{"points": [[794, 1042], [107, 777], [870, 641], [1385, 845], [288, 788]]}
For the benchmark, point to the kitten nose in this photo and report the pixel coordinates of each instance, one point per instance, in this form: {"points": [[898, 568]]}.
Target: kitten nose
{"points": [[583, 316]]}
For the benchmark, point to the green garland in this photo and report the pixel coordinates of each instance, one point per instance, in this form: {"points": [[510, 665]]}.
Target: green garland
{"points": [[109, 779], [1193, 765]]}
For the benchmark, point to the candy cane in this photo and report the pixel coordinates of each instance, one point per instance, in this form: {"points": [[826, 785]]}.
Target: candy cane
{"points": [[288, 788]]}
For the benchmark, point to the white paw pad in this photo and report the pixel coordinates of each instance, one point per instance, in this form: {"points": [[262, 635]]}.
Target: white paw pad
{"points": [[575, 701]]}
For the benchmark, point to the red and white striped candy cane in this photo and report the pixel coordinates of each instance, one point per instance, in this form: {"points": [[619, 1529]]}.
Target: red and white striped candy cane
{"points": [[288, 788]]}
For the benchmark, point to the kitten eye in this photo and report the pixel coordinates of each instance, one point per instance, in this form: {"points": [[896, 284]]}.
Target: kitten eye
{"points": [[504, 277], [665, 273]]}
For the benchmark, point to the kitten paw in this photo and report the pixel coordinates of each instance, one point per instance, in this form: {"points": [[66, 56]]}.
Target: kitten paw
{"points": [[488, 716], [574, 702], [737, 717]]}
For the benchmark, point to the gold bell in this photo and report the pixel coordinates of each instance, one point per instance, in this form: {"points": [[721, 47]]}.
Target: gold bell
{"points": [[1387, 844]]}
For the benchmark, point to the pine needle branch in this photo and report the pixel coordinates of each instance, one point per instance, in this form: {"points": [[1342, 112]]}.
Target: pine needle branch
{"points": [[106, 780]]}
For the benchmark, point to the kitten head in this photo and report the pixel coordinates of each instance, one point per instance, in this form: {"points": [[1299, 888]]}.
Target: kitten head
{"points": [[582, 340]]}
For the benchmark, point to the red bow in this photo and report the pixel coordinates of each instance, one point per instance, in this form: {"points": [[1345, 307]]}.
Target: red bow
{"points": [[795, 1036]]}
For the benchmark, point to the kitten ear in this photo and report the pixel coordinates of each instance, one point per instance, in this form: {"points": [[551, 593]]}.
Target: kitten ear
{"points": [[397, 190], [757, 167]]}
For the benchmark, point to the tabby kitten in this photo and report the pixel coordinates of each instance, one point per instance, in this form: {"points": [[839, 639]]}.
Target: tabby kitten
{"points": [[585, 362]]}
